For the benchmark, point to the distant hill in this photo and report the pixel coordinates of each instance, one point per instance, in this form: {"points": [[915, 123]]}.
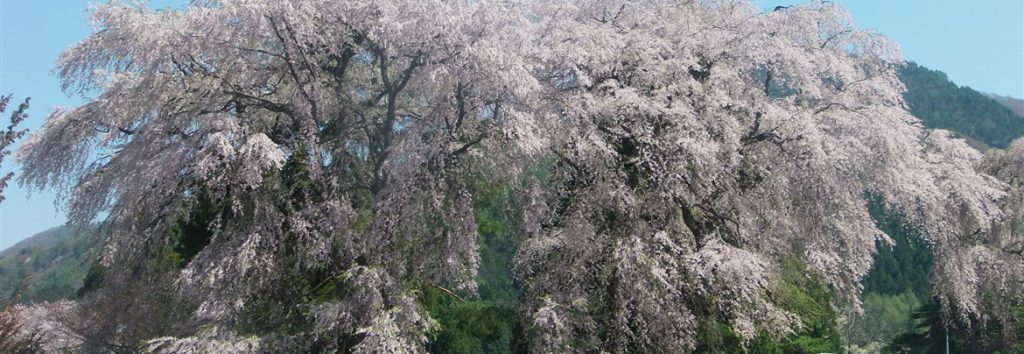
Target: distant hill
{"points": [[54, 261], [42, 239], [1014, 104], [940, 103]]}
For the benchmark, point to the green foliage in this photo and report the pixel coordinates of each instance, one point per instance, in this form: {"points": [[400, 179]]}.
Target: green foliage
{"points": [[93, 280], [885, 317], [491, 324], [472, 327], [899, 278], [289, 313], [903, 266], [266, 316], [498, 223], [811, 300], [288, 310], [929, 334], [799, 293], [714, 335], [191, 231], [940, 103]]}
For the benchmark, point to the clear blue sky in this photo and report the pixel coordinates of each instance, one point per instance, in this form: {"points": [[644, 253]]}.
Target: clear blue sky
{"points": [[978, 43]]}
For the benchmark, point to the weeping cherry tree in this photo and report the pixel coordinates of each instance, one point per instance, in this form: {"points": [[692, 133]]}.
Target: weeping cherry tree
{"points": [[693, 147]]}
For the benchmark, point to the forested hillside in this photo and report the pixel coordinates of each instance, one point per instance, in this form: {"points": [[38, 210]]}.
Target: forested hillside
{"points": [[513, 177], [48, 266], [942, 104]]}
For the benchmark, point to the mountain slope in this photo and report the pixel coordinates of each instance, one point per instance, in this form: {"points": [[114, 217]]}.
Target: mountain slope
{"points": [[1014, 104], [940, 103], [50, 265], [43, 239]]}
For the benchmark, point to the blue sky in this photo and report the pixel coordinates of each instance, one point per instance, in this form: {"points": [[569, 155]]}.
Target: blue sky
{"points": [[978, 43]]}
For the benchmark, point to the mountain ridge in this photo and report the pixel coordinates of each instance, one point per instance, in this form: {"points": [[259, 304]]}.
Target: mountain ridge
{"points": [[1014, 104]]}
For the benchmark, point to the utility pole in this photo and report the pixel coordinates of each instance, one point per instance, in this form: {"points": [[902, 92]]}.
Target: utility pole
{"points": [[946, 329]]}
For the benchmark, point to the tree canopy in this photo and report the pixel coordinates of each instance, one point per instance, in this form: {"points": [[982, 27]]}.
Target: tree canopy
{"points": [[296, 173]]}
